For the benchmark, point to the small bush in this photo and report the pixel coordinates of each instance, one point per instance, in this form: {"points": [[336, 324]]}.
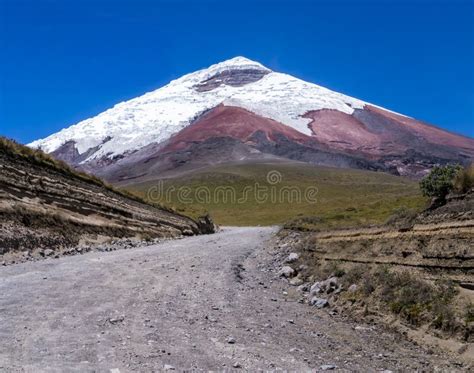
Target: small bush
{"points": [[444, 318], [413, 299], [469, 314], [440, 181], [333, 268], [464, 180], [402, 216], [367, 285], [354, 274], [304, 223]]}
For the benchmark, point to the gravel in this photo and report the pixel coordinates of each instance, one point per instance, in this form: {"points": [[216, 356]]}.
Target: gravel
{"points": [[87, 313]]}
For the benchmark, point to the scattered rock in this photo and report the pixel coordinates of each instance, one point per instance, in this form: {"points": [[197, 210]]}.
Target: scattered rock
{"points": [[328, 367], [286, 272], [116, 320], [297, 281], [48, 252], [358, 327], [328, 286], [293, 257], [304, 287], [315, 288], [236, 365], [169, 367], [319, 302], [230, 340]]}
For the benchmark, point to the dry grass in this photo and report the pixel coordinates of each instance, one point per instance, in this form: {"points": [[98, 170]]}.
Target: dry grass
{"points": [[413, 299], [406, 294], [37, 157], [464, 180]]}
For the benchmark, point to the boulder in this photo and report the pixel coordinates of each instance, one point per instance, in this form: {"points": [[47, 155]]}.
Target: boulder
{"points": [[319, 302], [327, 286], [287, 272], [315, 288], [206, 225]]}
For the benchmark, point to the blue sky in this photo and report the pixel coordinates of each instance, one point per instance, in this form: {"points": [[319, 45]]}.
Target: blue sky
{"points": [[62, 61]]}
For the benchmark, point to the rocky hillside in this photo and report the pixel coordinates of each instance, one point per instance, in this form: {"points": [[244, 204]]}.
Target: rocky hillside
{"points": [[44, 205], [415, 273]]}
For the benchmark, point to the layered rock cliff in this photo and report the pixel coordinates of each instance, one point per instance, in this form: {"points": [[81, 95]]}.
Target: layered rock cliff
{"points": [[44, 204]]}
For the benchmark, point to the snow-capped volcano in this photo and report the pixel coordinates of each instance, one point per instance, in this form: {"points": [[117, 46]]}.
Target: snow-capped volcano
{"points": [[327, 120], [157, 115]]}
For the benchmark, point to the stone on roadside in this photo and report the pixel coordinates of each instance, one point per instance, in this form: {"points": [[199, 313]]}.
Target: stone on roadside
{"points": [[328, 367], [48, 252], [327, 286], [293, 257], [315, 288], [286, 272], [319, 302], [304, 287], [115, 320], [297, 281]]}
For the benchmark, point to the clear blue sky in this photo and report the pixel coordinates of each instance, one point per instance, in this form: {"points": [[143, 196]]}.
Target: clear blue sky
{"points": [[62, 61]]}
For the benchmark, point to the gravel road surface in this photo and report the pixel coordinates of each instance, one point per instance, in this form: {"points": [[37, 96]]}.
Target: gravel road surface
{"points": [[200, 303]]}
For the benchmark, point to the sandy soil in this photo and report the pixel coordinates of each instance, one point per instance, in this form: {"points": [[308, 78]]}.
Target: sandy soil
{"points": [[207, 302]]}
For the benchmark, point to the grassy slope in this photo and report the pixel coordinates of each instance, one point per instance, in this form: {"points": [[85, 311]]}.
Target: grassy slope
{"points": [[345, 197]]}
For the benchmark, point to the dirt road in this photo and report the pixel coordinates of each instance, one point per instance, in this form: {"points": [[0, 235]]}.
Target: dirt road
{"points": [[208, 302]]}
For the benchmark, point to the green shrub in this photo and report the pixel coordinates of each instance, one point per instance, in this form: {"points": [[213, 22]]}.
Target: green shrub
{"points": [[440, 181]]}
